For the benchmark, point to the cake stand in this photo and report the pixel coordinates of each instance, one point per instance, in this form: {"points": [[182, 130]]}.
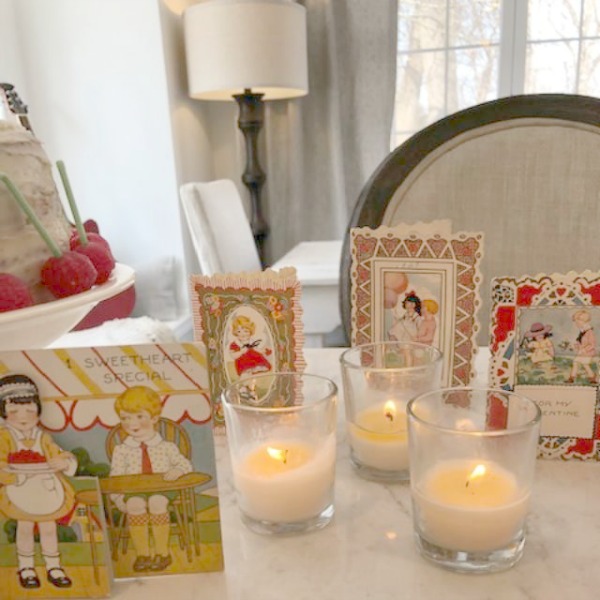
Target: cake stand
{"points": [[38, 326]]}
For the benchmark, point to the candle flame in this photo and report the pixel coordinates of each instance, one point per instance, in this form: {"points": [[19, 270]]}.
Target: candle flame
{"points": [[478, 471], [389, 410], [277, 454]]}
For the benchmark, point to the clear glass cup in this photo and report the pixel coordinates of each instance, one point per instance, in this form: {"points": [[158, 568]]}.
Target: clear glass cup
{"points": [[472, 463], [281, 431], [378, 380]]}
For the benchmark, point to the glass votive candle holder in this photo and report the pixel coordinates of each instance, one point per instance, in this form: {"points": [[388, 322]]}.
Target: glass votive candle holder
{"points": [[472, 462], [378, 380], [281, 432]]}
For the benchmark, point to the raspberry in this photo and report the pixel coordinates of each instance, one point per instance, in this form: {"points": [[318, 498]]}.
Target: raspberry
{"points": [[69, 274], [75, 240], [101, 258], [91, 226], [14, 293]]}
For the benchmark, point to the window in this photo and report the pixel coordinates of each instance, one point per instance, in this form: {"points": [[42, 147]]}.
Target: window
{"points": [[456, 53]]}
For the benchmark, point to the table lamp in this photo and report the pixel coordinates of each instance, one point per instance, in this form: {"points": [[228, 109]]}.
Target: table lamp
{"points": [[248, 51]]}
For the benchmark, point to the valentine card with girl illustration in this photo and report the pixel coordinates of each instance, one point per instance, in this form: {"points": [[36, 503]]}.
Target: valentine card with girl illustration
{"points": [[250, 323]]}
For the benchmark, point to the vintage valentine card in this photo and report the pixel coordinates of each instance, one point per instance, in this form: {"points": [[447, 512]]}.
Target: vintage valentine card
{"points": [[139, 419], [250, 323], [420, 286], [544, 345]]}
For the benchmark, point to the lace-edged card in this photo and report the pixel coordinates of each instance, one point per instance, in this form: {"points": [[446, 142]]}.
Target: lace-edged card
{"points": [[250, 323], [418, 283], [544, 345]]}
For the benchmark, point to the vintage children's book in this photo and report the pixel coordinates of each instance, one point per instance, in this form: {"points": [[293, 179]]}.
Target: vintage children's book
{"points": [[137, 418]]}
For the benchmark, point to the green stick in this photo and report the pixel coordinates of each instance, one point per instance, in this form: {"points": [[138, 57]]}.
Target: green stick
{"points": [[60, 165], [24, 205]]}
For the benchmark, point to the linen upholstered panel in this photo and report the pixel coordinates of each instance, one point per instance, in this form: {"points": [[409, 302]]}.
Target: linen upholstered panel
{"points": [[533, 187]]}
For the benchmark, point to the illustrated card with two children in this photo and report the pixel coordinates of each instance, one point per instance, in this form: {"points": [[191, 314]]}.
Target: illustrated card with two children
{"points": [[107, 468], [418, 283], [544, 344]]}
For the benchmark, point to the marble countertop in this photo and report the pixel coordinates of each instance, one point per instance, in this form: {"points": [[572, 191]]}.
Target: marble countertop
{"points": [[368, 551]]}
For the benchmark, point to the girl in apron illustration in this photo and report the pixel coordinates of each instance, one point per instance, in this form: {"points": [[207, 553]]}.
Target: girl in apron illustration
{"points": [[33, 489]]}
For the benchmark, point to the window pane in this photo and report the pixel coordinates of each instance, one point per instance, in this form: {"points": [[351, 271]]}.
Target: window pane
{"points": [[551, 67], [421, 24], [553, 19], [419, 90], [474, 23], [589, 73], [472, 77], [591, 17]]}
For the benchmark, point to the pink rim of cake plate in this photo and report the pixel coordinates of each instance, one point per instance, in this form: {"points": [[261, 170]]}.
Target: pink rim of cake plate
{"points": [[40, 325]]}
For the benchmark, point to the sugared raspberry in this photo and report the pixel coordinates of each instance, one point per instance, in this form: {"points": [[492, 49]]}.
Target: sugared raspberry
{"points": [[75, 240], [101, 258], [69, 274], [91, 226], [14, 293]]}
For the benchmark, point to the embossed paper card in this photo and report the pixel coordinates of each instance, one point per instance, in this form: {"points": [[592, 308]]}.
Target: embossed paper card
{"points": [[421, 284], [250, 323], [544, 344], [138, 418]]}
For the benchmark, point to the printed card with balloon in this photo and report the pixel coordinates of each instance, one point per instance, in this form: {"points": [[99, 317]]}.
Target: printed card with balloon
{"points": [[250, 323], [418, 283], [106, 457]]}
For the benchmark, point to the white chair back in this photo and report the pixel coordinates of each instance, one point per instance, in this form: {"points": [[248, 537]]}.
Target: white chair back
{"points": [[219, 227]]}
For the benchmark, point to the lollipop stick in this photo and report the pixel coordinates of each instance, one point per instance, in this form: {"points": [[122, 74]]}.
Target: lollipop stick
{"points": [[24, 205], [60, 165]]}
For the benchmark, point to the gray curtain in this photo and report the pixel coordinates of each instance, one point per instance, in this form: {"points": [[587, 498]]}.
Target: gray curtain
{"points": [[321, 149]]}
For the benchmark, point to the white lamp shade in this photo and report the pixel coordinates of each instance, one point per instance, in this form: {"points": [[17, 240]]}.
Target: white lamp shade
{"points": [[233, 45]]}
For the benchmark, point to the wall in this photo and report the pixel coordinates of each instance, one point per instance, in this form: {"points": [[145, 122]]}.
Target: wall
{"points": [[191, 123], [103, 81]]}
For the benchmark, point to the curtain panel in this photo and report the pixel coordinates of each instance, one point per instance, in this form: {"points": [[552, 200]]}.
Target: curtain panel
{"points": [[321, 149]]}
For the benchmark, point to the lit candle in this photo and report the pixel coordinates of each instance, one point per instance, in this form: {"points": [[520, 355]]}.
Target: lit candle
{"points": [[285, 481], [469, 506], [378, 437]]}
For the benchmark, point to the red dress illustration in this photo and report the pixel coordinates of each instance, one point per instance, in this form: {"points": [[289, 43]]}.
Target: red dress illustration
{"points": [[250, 360]]}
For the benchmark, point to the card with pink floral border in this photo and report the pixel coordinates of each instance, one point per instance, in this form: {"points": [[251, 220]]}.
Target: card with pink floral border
{"points": [[418, 283], [544, 346], [250, 323]]}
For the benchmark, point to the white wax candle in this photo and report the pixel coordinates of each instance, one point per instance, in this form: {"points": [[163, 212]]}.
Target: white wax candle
{"points": [[379, 439], [469, 506], [285, 481]]}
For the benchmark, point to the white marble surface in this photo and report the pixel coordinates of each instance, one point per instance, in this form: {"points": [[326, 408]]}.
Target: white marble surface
{"points": [[367, 552]]}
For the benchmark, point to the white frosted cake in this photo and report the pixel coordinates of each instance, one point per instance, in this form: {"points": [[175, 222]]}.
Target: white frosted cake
{"points": [[22, 250]]}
